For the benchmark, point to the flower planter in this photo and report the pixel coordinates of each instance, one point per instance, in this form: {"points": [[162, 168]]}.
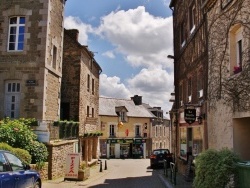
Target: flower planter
{"points": [[83, 174], [237, 70]]}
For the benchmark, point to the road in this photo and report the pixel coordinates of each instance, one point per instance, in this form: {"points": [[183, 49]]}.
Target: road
{"points": [[128, 173]]}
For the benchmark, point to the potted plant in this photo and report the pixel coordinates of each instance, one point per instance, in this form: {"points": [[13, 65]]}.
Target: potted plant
{"points": [[84, 171], [237, 69]]}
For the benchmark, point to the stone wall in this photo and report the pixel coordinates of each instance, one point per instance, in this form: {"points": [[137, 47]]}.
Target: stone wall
{"points": [[57, 157]]}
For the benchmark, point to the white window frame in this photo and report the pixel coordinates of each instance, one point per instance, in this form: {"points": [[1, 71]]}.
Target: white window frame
{"points": [[123, 116], [137, 130], [12, 99], [17, 37], [192, 17]]}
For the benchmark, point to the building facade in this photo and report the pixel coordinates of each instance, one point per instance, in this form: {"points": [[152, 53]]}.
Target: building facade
{"points": [[228, 80], [127, 127], [31, 47], [160, 129], [190, 79], [80, 91]]}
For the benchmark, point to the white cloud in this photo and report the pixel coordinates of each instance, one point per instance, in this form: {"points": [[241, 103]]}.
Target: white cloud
{"points": [[141, 37], [75, 23], [109, 54], [144, 41], [154, 85], [112, 87]]}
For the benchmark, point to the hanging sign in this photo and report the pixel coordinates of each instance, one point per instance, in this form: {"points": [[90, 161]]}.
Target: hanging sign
{"points": [[190, 115]]}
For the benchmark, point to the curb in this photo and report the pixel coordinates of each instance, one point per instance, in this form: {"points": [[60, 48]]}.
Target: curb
{"points": [[165, 181]]}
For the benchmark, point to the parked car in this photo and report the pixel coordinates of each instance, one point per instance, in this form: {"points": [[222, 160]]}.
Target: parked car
{"points": [[14, 174], [158, 156]]}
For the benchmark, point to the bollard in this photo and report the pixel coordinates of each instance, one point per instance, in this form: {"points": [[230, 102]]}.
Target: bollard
{"points": [[105, 168], [101, 166]]}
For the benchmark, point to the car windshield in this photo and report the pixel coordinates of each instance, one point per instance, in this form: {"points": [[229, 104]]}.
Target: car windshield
{"points": [[161, 151]]}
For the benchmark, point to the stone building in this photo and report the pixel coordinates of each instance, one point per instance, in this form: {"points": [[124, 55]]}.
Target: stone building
{"points": [[128, 128], [229, 78], [80, 91], [31, 76], [160, 129], [31, 41], [31, 52], [190, 80]]}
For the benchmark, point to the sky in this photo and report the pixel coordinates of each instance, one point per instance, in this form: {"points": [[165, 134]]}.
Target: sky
{"points": [[131, 40]]}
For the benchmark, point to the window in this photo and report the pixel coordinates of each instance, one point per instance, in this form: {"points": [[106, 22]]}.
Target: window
{"points": [[88, 82], [192, 17], [182, 34], [87, 111], [200, 85], [12, 99], [137, 130], [123, 116], [93, 112], [16, 33], [2, 163], [112, 130], [224, 3], [239, 53], [54, 56], [156, 131], [189, 90], [236, 49], [93, 86], [181, 94], [15, 163]]}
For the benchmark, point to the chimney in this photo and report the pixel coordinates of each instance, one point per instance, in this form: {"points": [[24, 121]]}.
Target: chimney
{"points": [[73, 33], [137, 99]]}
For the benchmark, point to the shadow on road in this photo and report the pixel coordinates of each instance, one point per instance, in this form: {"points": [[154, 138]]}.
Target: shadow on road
{"points": [[150, 181]]}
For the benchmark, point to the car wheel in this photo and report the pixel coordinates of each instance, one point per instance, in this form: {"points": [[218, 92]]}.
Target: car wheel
{"points": [[37, 185]]}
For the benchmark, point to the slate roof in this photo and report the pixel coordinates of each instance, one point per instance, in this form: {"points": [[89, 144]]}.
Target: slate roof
{"points": [[107, 107]]}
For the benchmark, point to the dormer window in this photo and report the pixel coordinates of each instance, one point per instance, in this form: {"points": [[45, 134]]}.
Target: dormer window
{"points": [[121, 111]]}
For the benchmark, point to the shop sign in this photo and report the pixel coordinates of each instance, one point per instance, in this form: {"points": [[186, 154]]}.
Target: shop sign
{"points": [[72, 165], [139, 141], [190, 115]]}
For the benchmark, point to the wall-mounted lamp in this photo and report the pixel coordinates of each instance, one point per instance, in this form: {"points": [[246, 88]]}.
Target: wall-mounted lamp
{"points": [[199, 118]]}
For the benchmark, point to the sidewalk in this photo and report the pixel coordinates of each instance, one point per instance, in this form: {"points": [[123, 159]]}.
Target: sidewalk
{"points": [[180, 181], [94, 174]]}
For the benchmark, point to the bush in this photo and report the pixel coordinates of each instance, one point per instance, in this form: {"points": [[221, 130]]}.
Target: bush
{"points": [[215, 168], [38, 152], [21, 153], [5, 146], [18, 134]]}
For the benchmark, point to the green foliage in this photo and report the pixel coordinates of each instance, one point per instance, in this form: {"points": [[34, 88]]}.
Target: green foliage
{"points": [[18, 134], [38, 151], [5, 146], [214, 168], [21, 153]]}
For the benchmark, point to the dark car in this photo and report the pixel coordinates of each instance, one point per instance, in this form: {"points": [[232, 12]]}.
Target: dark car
{"points": [[158, 156], [13, 173]]}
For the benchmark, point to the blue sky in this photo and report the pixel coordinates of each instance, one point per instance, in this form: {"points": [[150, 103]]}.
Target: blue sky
{"points": [[131, 40]]}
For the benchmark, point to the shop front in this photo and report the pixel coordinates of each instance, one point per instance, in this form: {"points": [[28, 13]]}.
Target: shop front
{"points": [[124, 148]]}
